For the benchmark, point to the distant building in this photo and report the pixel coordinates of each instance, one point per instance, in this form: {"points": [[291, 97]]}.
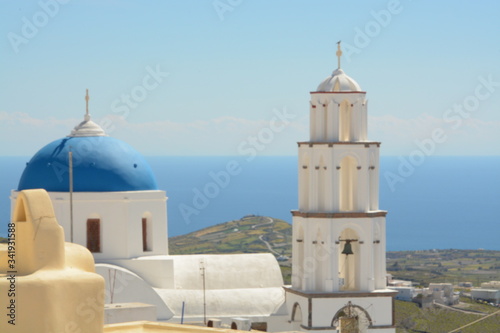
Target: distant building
{"points": [[441, 293], [405, 289], [397, 283], [489, 291], [405, 293], [491, 285], [465, 284]]}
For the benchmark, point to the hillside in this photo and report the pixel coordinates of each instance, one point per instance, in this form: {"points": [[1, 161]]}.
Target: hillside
{"points": [[248, 235], [452, 266], [412, 319]]}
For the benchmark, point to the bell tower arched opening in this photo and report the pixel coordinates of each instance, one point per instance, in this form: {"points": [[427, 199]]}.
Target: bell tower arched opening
{"points": [[296, 318], [348, 183], [352, 319], [345, 115], [349, 258]]}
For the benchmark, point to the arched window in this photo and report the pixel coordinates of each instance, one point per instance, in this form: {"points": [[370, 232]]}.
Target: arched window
{"points": [[94, 235], [147, 233]]}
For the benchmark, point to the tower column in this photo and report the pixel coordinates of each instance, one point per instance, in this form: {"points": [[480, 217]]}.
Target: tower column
{"points": [[364, 122], [355, 121], [312, 122], [364, 186], [320, 122], [335, 182], [331, 119]]}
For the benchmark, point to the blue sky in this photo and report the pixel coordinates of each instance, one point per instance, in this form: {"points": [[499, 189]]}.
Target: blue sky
{"points": [[203, 77]]}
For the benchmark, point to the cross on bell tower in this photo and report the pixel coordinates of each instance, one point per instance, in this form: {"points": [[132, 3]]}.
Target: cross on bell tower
{"points": [[338, 53]]}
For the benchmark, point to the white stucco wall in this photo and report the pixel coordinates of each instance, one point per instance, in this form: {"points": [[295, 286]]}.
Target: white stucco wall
{"points": [[320, 165], [120, 215], [324, 308], [124, 286]]}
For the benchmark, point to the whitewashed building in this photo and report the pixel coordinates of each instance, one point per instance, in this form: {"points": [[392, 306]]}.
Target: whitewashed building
{"points": [[489, 291]]}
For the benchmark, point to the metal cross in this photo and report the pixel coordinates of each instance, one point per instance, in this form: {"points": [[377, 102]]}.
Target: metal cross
{"points": [[339, 53], [87, 103]]}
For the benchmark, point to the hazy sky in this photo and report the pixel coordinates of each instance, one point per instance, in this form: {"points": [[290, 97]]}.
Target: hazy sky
{"points": [[205, 77]]}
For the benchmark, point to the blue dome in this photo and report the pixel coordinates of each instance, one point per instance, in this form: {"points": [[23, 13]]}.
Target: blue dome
{"points": [[100, 164]]}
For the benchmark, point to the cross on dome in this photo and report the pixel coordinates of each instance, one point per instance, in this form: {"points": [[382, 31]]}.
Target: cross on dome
{"points": [[87, 116], [339, 53], [338, 81], [87, 127]]}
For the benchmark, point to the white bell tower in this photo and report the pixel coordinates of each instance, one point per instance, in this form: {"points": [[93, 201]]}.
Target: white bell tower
{"points": [[338, 272]]}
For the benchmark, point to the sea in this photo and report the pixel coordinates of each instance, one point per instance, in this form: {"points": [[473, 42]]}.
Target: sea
{"points": [[433, 202]]}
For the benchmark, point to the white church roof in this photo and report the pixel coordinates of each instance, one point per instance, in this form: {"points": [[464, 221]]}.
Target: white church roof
{"points": [[87, 128], [338, 82]]}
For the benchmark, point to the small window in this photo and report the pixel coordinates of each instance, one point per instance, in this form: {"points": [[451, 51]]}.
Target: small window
{"points": [[147, 237], [94, 235]]}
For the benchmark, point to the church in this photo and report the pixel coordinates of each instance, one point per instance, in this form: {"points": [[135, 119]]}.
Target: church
{"points": [[106, 198]]}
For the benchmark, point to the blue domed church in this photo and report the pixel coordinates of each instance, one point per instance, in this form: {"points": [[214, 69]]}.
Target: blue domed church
{"points": [[103, 191]]}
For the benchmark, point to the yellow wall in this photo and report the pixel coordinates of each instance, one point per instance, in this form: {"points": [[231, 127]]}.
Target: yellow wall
{"points": [[47, 286]]}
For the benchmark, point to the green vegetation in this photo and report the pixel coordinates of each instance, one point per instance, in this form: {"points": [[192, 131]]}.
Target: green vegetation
{"points": [[451, 266], [3, 240], [240, 236], [410, 318]]}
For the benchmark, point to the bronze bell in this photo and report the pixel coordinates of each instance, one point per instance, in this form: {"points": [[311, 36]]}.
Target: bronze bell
{"points": [[347, 248]]}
